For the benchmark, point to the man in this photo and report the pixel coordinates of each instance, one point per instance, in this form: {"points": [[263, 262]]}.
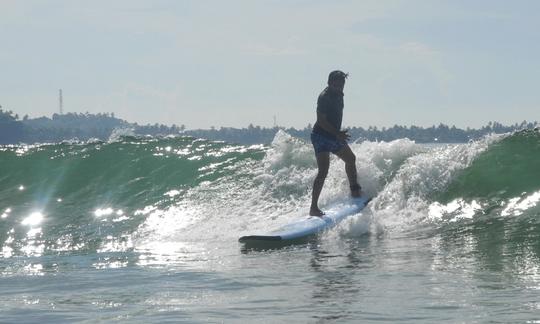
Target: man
{"points": [[327, 137]]}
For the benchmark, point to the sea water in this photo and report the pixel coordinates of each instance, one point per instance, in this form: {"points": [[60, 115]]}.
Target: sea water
{"points": [[142, 229]]}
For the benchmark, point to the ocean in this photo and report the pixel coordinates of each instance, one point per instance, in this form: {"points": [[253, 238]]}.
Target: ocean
{"points": [[145, 230]]}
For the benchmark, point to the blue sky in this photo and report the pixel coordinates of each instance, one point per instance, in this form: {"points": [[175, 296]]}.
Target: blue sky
{"points": [[232, 63]]}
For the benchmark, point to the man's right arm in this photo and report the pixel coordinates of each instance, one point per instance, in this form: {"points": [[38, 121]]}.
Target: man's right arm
{"points": [[323, 122]]}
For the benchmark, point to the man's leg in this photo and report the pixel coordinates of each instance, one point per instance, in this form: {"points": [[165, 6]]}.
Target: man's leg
{"points": [[323, 162], [349, 158]]}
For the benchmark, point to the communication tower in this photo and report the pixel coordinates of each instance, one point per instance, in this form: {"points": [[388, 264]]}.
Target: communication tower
{"points": [[60, 102]]}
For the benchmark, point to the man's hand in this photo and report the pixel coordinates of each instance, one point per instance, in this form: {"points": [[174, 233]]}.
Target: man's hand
{"points": [[343, 136]]}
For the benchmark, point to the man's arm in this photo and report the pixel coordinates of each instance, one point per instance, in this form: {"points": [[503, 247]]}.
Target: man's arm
{"points": [[325, 124]]}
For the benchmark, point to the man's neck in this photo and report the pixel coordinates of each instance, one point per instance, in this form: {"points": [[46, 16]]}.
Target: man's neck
{"points": [[335, 90]]}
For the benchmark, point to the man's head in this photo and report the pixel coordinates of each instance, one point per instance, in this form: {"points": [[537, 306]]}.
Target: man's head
{"points": [[336, 80]]}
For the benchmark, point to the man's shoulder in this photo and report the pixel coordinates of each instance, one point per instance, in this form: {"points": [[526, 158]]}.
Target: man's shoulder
{"points": [[324, 93], [324, 96], [330, 94]]}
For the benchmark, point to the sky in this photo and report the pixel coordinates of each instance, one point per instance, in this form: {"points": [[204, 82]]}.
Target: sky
{"points": [[232, 63]]}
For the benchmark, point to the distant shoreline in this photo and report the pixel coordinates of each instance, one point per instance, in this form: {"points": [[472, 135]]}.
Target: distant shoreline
{"points": [[101, 126]]}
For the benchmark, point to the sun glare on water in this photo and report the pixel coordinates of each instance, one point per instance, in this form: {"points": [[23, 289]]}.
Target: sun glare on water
{"points": [[34, 219]]}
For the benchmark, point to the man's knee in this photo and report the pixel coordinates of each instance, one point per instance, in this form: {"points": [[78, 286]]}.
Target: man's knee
{"points": [[321, 175]]}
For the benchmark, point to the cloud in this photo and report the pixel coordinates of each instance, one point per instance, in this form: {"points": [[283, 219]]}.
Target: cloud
{"points": [[418, 49], [290, 48], [199, 54]]}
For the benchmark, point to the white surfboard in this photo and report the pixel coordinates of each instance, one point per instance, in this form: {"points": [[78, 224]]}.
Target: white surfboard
{"points": [[310, 225]]}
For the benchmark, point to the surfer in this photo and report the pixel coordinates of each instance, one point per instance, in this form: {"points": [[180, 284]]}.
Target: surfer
{"points": [[327, 137]]}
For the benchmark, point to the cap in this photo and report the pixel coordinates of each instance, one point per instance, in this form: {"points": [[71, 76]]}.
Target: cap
{"points": [[337, 75]]}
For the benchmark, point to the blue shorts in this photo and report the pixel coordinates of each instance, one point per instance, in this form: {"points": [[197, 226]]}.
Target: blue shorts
{"points": [[322, 143]]}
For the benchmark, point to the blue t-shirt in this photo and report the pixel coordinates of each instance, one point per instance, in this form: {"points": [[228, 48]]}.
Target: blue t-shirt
{"points": [[330, 103]]}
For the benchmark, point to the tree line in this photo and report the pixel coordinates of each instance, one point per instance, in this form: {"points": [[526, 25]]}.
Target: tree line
{"points": [[434, 134], [86, 126]]}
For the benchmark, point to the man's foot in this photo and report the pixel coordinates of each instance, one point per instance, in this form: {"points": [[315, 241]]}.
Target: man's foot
{"points": [[316, 212], [356, 191]]}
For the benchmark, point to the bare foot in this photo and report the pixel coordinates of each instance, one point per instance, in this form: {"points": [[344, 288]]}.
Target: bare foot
{"points": [[316, 212]]}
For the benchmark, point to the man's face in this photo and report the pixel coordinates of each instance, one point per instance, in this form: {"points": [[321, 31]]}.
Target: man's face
{"points": [[337, 85]]}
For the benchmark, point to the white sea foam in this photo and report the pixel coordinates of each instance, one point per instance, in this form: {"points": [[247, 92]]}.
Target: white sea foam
{"points": [[277, 189], [406, 199], [118, 133], [261, 195]]}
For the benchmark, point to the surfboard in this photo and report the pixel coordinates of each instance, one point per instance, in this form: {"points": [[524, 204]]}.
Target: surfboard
{"points": [[310, 225]]}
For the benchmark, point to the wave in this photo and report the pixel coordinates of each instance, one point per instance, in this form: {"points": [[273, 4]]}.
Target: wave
{"points": [[476, 182], [137, 194], [502, 181]]}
